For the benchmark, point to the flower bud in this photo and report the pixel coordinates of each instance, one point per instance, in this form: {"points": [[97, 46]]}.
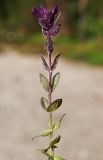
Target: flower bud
{"points": [[49, 46]]}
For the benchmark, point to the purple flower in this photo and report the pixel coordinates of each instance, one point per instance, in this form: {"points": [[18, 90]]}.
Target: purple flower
{"points": [[48, 19]]}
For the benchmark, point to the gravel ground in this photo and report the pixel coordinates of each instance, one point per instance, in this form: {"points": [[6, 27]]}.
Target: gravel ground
{"points": [[21, 116]]}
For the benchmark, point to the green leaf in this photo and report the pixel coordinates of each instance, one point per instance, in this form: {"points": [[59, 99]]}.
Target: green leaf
{"points": [[46, 133], [54, 146], [58, 123], [55, 141], [58, 158], [44, 103], [46, 149], [55, 81], [44, 82], [47, 154], [55, 105], [36, 137]]}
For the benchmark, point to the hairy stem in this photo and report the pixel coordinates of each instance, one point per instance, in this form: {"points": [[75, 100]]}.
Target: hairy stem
{"points": [[50, 98]]}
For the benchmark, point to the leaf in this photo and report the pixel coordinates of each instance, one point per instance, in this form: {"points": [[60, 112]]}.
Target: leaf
{"points": [[43, 134], [55, 62], [47, 154], [45, 63], [55, 80], [54, 146], [44, 82], [58, 123], [58, 158], [55, 141], [55, 105], [36, 137], [44, 103], [46, 133], [46, 149]]}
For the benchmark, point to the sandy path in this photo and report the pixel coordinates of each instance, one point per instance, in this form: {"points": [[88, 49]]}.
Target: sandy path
{"points": [[21, 116]]}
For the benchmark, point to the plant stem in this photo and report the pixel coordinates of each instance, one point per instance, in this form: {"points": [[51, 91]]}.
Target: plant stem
{"points": [[50, 98]]}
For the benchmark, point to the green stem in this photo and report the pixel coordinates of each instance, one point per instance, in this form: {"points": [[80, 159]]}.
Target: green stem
{"points": [[51, 135], [51, 124]]}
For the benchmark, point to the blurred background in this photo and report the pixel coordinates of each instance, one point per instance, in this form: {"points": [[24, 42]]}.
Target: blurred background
{"points": [[81, 33], [80, 42]]}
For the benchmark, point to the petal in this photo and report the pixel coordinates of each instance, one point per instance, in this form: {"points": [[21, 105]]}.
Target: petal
{"points": [[50, 18], [35, 12], [43, 11], [55, 29], [49, 15], [55, 10], [44, 23]]}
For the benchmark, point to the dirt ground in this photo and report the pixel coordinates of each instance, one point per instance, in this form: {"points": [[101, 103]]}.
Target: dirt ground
{"points": [[21, 116]]}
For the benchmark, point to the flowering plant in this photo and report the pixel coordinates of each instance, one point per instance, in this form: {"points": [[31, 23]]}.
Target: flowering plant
{"points": [[48, 20]]}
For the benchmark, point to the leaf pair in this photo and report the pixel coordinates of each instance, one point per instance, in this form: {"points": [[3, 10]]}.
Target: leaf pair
{"points": [[54, 64], [55, 141], [53, 106], [44, 81], [47, 154], [55, 157], [51, 145], [49, 131], [51, 157]]}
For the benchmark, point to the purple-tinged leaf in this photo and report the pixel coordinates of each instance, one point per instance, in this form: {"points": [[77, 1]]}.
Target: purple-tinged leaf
{"points": [[55, 62], [44, 81], [44, 103], [55, 81], [45, 63], [55, 105]]}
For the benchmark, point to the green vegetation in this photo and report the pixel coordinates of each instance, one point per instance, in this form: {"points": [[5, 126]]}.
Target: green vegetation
{"points": [[90, 51], [81, 34]]}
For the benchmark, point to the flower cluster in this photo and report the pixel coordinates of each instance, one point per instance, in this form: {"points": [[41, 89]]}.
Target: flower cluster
{"points": [[48, 19]]}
